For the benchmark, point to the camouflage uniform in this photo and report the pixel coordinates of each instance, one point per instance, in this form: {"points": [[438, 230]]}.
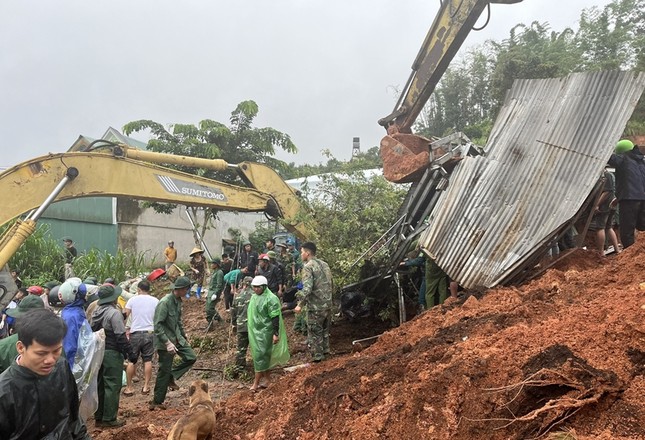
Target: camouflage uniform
{"points": [[239, 320], [300, 322], [287, 262], [437, 284], [316, 296]]}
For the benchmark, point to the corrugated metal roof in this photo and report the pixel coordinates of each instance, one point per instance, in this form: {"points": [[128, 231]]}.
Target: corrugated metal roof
{"points": [[547, 149]]}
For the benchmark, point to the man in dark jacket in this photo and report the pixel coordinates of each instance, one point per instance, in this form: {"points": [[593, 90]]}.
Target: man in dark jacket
{"points": [[248, 259], [38, 394], [272, 273], [630, 189], [117, 348]]}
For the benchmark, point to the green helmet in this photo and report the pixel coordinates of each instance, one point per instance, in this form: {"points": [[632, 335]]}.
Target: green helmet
{"points": [[624, 146]]}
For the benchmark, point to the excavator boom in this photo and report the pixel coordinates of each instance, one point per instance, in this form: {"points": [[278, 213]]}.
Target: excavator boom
{"points": [[99, 174], [405, 156]]}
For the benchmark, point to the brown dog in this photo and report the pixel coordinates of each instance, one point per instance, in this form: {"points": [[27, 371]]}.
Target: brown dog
{"points": [[198, 424]]}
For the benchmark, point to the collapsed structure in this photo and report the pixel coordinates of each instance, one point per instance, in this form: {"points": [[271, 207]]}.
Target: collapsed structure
{"points": [[545, 154], [487, 216]]}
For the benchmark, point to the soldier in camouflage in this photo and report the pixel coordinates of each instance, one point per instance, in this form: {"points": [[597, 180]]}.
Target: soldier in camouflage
{"points": [[286, 259], [316, 296], [239, 320]]}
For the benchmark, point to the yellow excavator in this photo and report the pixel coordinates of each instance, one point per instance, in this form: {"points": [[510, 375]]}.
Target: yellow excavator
{"points": [[123, 171], [410, 158], [406, 156]]}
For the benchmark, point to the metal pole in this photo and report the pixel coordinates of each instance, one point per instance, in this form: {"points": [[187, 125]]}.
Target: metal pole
{"points": [[358, 341], [402, 316], [70, 175], [199, 236], [15, 236]]}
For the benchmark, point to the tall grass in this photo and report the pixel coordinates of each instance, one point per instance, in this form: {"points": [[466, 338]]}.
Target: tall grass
{"points": [[41, 259]]}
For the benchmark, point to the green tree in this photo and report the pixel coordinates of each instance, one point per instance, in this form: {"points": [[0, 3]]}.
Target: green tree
{"points": [[263, 231], [352, 211], [613, 37], [366, 160], [532, 52], [239, 141], [462, 100], [472, 90]]}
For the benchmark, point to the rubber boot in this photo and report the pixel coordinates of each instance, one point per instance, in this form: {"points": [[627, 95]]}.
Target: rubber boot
{"points": [[198, 294]]}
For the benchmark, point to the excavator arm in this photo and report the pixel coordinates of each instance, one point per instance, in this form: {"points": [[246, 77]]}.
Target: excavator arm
{"points": [[128, 172], [405, 156]]}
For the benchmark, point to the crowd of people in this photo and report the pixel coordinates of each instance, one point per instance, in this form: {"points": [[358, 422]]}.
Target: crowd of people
{"points": [[49, 349]]}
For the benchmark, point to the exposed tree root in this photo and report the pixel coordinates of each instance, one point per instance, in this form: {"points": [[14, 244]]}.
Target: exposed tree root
{"points": [[549, 396]]}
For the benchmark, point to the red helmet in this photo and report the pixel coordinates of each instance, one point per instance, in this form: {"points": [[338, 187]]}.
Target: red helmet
{"points": [[35, 290], [264, 257]]}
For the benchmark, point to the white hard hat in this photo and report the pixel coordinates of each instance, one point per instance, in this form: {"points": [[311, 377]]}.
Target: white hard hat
{"points": [[259, 281]]}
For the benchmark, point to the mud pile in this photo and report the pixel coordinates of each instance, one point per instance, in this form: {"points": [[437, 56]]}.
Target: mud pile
{"points": [[563, 353]]}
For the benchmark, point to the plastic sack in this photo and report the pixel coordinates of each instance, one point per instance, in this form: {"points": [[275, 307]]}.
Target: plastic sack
{"points": [[87, 362]]}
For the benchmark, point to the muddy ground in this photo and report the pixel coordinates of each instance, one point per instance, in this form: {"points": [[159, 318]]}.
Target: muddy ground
{"points": [[561, 357]]}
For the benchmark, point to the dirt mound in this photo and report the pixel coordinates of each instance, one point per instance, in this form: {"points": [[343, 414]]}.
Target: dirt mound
{"points": [[564, 353]]}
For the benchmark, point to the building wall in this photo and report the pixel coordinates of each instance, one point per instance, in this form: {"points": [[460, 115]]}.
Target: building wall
{"points": [[88, 221], [144, 230]]}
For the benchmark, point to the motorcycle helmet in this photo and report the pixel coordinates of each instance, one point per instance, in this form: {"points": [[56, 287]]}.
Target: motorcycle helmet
{"points": [[624, 146], [54, 301], [71, 290]]}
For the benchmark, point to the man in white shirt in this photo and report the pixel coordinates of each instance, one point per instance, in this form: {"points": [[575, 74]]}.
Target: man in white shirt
{"points": [[141, 310]]}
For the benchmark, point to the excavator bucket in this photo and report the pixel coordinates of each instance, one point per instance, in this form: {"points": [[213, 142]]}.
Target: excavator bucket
{"points": [[405, 157]]}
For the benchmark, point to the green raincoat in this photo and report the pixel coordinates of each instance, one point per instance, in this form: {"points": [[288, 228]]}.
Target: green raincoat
{"points": [[262, 309]]}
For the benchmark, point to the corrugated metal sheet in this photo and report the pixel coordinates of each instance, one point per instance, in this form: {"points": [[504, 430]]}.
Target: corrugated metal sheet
{"points": [[548, 147], [91, 221], [86, 209], [86, 235]]}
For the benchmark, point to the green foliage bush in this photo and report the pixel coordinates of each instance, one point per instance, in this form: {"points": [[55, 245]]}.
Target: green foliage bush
{"points": [[102, 265], [41, 259], [263, 231], [352, 211]]}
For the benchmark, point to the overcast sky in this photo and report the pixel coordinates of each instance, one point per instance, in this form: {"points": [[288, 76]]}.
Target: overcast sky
{"points": [[321, 71]]}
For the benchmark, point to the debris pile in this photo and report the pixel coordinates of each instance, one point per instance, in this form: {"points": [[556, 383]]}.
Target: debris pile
{"points": [[560, 357], [565, 352]]}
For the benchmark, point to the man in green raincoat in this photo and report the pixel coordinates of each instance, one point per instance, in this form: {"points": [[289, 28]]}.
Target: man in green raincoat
{"points": [[267, 335]]}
